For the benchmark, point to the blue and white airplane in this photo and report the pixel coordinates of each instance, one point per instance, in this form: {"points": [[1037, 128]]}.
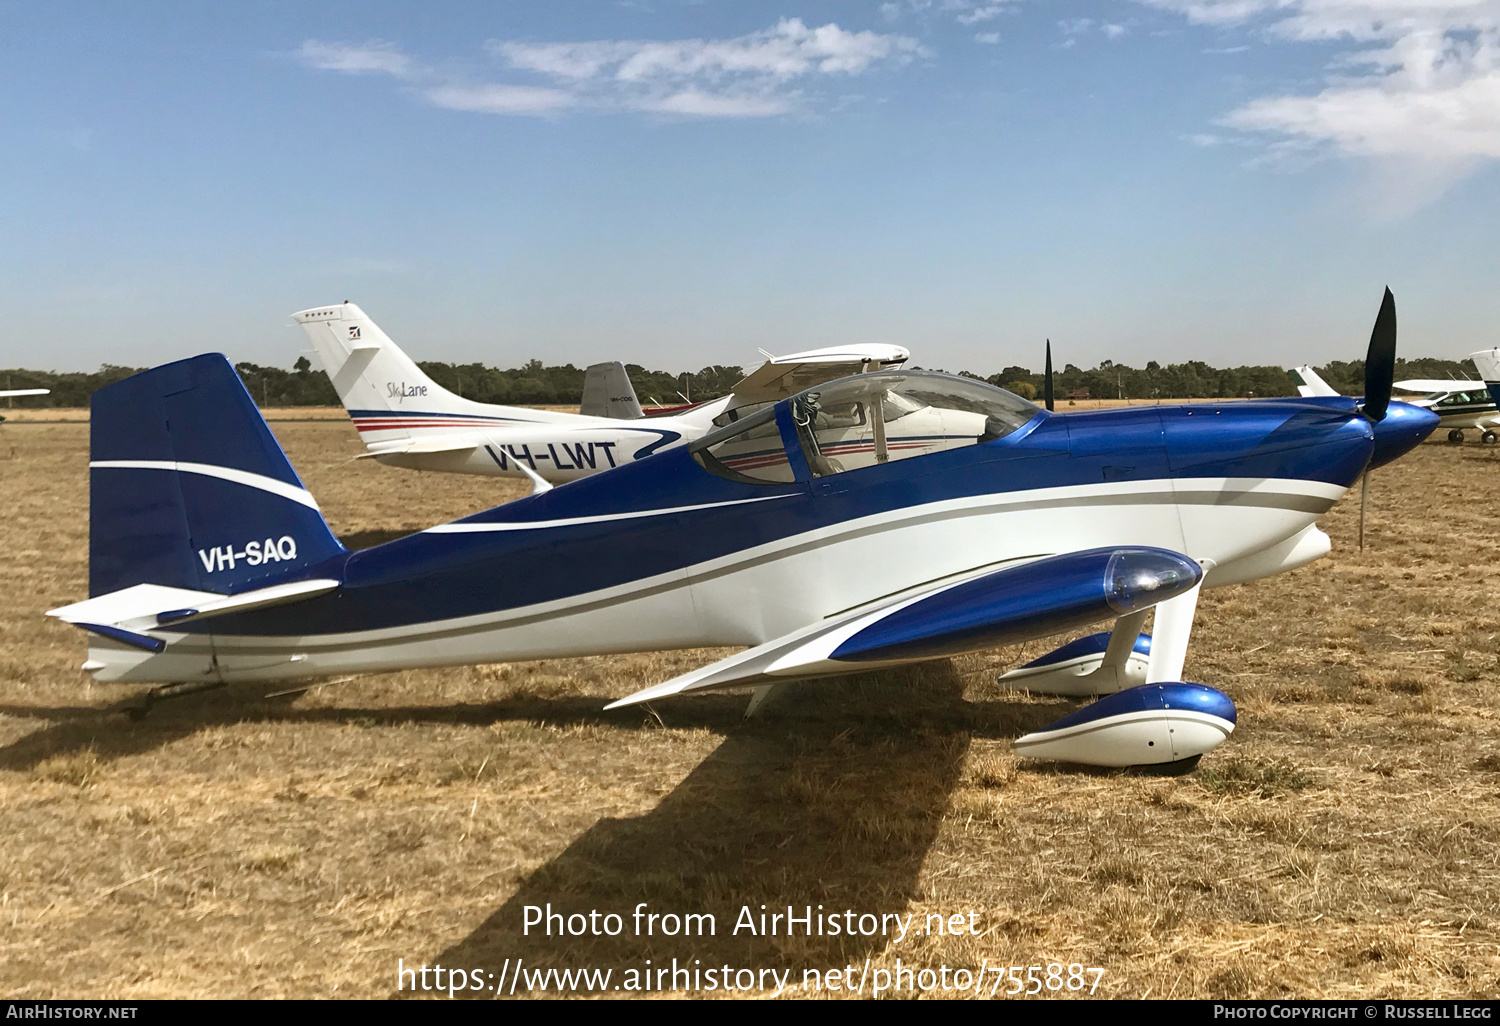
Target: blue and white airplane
{"points": [[823, 532]]}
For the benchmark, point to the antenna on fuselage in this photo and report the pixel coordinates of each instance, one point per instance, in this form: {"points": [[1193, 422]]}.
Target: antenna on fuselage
{"points": [[1047, 380]]}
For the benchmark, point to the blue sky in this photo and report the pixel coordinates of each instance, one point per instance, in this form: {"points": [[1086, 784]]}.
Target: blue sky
{"points": [[677, 184]]}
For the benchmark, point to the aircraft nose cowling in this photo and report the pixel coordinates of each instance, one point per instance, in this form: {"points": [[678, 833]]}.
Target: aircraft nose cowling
{"points": [[1402, 429]]}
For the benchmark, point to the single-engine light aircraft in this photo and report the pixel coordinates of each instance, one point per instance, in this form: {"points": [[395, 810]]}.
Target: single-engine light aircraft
{"points": [[408, 420], [876, 520]]}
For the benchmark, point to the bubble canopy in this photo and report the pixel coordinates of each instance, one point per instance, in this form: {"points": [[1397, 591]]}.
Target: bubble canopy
{"points": [[864, 421]]}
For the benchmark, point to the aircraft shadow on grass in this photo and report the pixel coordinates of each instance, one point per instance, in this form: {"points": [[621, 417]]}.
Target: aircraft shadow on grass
{"points": [[832, 799], [831, 796]]}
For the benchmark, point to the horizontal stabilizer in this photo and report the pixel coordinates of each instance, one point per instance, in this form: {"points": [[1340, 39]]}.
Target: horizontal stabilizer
{"points": [[1000, 607], [146, 606], [420, 445]]}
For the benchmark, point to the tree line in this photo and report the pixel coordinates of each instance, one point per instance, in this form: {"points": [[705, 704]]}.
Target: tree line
{"points": [[537, 384]]}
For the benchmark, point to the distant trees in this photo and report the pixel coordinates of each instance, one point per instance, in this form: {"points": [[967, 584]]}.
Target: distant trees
{"points": [[537, 384], [1197, 380]]}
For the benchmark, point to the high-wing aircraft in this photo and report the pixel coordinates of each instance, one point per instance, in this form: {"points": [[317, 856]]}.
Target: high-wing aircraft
{"points": [[1487, 362], [408, 420], [1458, 404], [871, 521], [17, 392]]}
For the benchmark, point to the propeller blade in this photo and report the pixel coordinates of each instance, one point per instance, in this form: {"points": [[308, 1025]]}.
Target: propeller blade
{"points": [[1380, 361], [1047, 380]]}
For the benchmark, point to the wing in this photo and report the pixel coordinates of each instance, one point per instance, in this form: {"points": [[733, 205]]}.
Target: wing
{"points": [[1429, 385], [781, 376], [996, 607], [8, 393]]}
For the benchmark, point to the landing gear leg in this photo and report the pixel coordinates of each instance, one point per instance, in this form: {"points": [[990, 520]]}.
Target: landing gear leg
{"points": [[1169, 636], [166, 691]]}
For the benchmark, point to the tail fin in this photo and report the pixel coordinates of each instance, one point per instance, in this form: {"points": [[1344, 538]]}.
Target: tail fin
{"points": [[1487, 362], [387, 395], [1309, 384], [607, 392], [189, 489]]}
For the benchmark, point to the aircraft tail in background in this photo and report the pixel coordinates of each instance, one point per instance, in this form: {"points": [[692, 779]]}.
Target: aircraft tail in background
{"points": [[1487, 362], [1309, 384], [387, 395], [607, 392]]}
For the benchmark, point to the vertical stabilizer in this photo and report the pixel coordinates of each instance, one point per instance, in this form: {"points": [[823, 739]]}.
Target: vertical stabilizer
{"points": [[1487, 362], [607, 392], [189, 489], [1309, 384], [387, 395]]}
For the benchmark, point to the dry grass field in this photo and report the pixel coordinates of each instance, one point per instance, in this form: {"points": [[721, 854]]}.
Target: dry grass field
{"points": [[1342, 843]]}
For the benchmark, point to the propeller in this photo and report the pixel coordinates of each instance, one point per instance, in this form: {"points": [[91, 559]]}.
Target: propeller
{"points": [[1380, 361], [1047, 380], [1380, 372]]}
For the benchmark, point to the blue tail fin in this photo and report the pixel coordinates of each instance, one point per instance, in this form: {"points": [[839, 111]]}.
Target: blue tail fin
{"points": [[188, 487]]}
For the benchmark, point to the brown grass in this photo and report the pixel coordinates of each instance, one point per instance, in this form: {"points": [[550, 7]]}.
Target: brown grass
{"points": [[1341, 844]]}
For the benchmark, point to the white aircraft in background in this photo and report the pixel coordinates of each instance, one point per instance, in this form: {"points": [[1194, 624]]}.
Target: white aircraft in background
{"points": [[408, 420], [9, 393], [1458, 404]]}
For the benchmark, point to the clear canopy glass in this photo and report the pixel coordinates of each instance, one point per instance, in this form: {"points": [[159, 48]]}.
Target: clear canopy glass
{"points": [[865, 421]]}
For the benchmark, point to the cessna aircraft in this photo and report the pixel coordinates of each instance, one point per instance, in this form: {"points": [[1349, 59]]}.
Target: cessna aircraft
{"points": [[872, 521], [408, 420], [1458, 404], [16, 392], [1487, 362]]}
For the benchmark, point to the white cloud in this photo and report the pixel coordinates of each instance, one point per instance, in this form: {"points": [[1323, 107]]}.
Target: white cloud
{"points": [[1418, 96], [746, 76], [695, 103], [980, 13], [501, 99], [376, 57], [988, 38], [789, 49]]}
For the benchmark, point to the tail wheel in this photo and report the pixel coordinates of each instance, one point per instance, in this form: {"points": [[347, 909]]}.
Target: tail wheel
{"points": [[1456, 435], [1490, 438]]}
